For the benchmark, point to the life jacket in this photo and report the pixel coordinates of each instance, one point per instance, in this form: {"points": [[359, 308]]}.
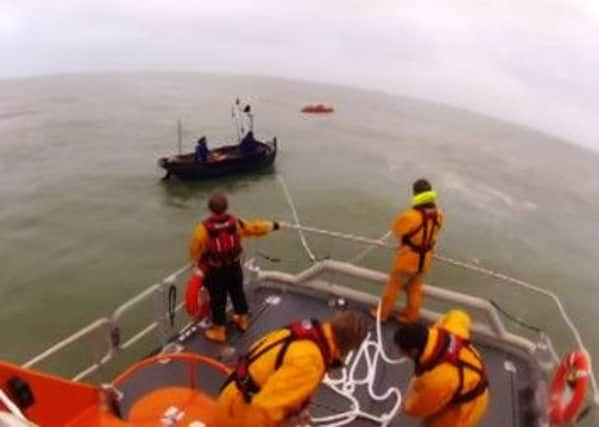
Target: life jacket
{"points": [[309, 329], [447, 350], [429, 225], [224, 243]]}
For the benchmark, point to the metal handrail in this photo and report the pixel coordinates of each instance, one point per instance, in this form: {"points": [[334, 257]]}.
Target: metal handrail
{"points": [[309, 279], [94, 327]]}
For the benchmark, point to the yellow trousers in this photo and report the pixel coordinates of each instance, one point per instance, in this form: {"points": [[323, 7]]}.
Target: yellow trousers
{"points": [[411, 284]]}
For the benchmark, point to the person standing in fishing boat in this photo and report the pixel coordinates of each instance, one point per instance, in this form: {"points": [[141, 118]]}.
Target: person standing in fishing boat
{"points": [[417, 229], [201, 152], [216, 244], [248, 144]]}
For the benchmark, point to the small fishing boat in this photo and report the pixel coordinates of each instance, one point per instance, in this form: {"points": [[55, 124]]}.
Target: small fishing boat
{"points": [[222, 161], [249, 155]]}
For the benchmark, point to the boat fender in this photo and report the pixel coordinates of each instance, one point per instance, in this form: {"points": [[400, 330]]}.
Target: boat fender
{"points": [[197, 302]]}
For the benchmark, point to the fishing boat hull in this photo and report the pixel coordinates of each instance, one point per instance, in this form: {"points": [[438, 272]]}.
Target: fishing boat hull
{"points": [[222, 162]]}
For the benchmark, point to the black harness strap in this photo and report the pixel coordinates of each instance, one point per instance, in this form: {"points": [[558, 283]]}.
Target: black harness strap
{"points": [[440, 356], [241, 374], [172, 304], [282, 353], [459, 396], [427, 244]]}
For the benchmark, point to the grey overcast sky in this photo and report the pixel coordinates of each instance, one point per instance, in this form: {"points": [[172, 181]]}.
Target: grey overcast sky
{"points": [[531, 61]]}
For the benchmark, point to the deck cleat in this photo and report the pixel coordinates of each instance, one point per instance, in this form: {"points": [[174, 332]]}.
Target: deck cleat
{"points": [[273, 300]]}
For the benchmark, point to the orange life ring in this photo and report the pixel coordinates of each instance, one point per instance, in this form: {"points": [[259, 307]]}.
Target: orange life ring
{"points": [[197, 303], [572, 373]]}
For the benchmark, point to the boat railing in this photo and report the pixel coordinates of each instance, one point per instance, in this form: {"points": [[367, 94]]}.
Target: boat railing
{"points": [[97, 334], [152, 318], [155, 314], [191, 361]]}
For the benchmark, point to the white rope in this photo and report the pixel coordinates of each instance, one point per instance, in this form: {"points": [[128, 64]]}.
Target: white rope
{"points": [[14, 409], [343, 236], [484, 271], [345, 386], [297, 225], [369, 249]]}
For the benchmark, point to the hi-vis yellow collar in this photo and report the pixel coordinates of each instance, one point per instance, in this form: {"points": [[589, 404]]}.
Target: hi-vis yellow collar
{"points": [[423, 198]]}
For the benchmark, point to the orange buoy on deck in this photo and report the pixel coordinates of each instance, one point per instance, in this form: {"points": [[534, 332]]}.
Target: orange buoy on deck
{"points": [[317, 109], [177, 405], [174, 405]]}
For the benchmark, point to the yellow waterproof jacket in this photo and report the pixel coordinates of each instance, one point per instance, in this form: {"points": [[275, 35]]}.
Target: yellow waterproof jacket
{"points": [[408, 260], [199, 238], [430, 393], [283, 391]]}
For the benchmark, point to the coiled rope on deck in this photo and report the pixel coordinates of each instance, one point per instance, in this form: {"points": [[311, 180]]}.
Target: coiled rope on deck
{"points": [[369, 354]]}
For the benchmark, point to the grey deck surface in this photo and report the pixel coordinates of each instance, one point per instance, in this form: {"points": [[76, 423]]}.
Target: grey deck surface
{"points": [[508, 400]]}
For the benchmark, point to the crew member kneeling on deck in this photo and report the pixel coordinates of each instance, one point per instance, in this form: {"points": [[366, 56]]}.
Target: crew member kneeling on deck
{"points": [[272, 384], [450, 387], [216, 242], [417, 229]]}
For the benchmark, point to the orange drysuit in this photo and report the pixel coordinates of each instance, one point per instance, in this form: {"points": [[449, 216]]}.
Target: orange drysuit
{"points": [[432, 394], [417, 229], [283, 391]]}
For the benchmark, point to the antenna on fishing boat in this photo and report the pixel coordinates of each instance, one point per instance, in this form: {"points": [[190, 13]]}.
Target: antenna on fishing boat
{"points": [[235, 118], [248, 110], [179, 135]]}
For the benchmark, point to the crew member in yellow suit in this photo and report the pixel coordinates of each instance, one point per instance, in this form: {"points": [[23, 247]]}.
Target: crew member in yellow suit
{"points": [[216, 245], [272, 384], [417, 229], [450, 387]]}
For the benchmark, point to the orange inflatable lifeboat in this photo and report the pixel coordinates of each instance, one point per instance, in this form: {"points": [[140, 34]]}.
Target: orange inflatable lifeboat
{"points": [[317, 109], [29, 398]]}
